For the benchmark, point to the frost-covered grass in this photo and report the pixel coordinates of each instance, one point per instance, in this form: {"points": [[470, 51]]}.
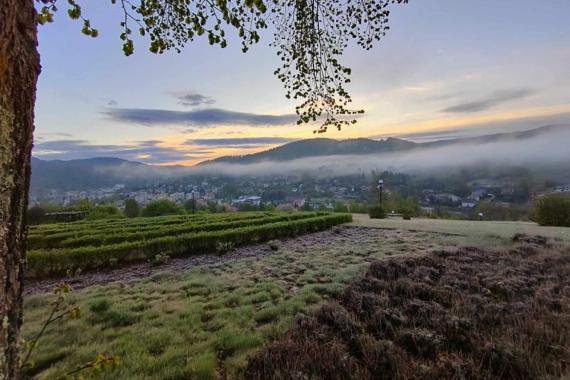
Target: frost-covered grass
{"points": [[205, 323], [473, 231]]}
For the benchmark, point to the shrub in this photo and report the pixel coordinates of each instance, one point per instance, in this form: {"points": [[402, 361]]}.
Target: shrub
{"points": [[204, 366], [132, 208], [552, 210], [104, 212], [340, 207], [274, 245], [223, 247], [269, 314], [230, 342], [119, 317], [99, 305], [376, 212], [160, 259], [162, 207]]}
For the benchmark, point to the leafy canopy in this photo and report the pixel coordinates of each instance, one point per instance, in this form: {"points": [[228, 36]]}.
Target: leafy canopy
{"points": [[310, 36]]}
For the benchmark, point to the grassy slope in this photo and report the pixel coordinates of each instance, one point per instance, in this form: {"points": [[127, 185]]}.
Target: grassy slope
{"points": [[472, 231], [196, 324]]}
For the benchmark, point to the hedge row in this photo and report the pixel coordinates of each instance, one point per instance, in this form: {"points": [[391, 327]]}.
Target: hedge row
{"points": [[106, 238], [55, 240], [45, 263], [46, 229], [56, 227]]}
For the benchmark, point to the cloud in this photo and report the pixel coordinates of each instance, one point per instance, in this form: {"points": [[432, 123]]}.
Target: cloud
{"points": [[239, 141], [198, 118], [112, 103], [480, 129], [491, 101], [148, 151], [194, 100], [44, 136]]}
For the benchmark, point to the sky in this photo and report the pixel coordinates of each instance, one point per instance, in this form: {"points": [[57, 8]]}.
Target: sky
{"points": [[447, 68]]}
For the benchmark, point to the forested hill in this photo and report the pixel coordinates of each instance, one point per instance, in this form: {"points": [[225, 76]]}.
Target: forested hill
{"points": [[329, 147]]}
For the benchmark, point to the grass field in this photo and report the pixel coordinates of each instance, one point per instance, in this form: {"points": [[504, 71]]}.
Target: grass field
{"points": [[206, 322], [483, 231]]}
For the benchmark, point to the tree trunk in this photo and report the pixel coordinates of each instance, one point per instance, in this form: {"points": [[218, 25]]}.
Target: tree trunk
{"points": [[19, 70]]}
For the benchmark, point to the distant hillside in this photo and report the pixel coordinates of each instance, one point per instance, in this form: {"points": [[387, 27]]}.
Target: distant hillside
{"points": [[105, 171], [319, 147], [328, 147]]}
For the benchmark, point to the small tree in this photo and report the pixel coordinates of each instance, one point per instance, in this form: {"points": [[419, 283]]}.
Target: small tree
{"points": [[132, 208], [162, 207], [376, 212], [552, 210], [81, 205], [340, 207], [104, 212]]}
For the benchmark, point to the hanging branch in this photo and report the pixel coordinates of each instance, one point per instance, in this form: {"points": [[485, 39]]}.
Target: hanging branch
{"points": [[310, 36]]}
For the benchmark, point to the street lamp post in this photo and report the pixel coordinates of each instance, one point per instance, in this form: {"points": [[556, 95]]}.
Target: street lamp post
{"points": [[380, 190]]}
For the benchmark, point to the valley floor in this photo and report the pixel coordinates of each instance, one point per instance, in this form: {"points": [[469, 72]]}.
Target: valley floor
{"points": [[202, 317]]}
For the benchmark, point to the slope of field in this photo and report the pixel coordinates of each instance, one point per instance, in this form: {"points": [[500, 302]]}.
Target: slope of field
{"points": [[481, 232], [57, 249], [204, 321]]}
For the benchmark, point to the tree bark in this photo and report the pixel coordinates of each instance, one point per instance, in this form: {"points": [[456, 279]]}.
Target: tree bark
{"points": [[19, 70]]}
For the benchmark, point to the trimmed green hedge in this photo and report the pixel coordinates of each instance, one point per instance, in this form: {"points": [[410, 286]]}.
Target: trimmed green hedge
{"points": [[106, 238], [52, 262], [135, 223], [94, 236]]}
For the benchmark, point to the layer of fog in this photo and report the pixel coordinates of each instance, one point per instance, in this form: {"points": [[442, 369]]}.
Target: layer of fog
{"points": [[550, 148]]}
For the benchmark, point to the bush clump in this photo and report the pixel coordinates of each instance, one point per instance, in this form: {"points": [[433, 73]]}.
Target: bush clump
{"points": [[377, 212], [223, 247], [160, 259], [552, 210], [274, 245]]}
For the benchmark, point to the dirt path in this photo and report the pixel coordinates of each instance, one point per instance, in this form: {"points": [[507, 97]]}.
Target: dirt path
{"points": [[138, 271]]}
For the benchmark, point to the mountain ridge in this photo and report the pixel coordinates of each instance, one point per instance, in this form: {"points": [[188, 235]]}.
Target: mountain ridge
{"points": [[327, 147], [97, 172]]}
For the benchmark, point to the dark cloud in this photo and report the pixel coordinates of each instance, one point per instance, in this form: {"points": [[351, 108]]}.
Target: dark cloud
{"points": [[79, 149], [491, 101], [197, 118], [239, 141], [44, 136], [195, 100]]}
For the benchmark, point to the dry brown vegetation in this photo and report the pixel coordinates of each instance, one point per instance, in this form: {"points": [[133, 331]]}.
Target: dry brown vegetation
{"points": [[463, 314]]}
